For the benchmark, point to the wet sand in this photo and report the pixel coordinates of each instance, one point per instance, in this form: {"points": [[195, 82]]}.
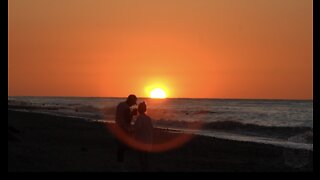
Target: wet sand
{"points": [[39, 142]]}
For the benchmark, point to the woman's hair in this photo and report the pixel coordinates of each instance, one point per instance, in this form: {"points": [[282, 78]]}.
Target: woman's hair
{"points": [[142, 107]]}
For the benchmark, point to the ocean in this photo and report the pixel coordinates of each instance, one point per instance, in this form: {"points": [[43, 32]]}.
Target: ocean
{"points": [[287, 123]]}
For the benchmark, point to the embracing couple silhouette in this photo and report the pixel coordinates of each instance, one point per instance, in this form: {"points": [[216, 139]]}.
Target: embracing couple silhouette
{"points": [[141, 131]]}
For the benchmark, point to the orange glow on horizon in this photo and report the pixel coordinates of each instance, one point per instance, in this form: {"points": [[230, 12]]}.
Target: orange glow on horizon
{"points": [[190, 49]]}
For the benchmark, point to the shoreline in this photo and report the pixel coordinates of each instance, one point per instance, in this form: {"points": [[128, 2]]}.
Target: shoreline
{"points": [[214, 133], [42, 142]]}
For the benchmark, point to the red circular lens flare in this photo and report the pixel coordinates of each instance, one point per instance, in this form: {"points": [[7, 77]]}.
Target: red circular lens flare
{"points": [[175, 140]]}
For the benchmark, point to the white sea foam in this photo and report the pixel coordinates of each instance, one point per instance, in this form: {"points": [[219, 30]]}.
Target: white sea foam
{"points": [[277, 122]]}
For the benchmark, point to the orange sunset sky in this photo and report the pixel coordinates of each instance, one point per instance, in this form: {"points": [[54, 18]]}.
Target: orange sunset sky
{"points": [[190, 48]]}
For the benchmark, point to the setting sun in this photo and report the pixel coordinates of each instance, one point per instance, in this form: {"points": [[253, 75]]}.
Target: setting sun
{"points": [[158, 93]]}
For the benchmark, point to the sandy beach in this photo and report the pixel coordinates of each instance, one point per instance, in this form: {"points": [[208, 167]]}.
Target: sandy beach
{"points": [[40, 142]]}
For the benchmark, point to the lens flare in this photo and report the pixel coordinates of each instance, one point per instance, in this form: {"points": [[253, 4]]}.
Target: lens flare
{"points": [[161, 141]]}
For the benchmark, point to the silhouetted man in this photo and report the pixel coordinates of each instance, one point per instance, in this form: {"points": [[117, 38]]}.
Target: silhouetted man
{"points": [[123, 121]]}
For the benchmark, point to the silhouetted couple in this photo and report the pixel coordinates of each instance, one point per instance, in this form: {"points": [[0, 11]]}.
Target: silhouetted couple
{"points": [[142, 130]]}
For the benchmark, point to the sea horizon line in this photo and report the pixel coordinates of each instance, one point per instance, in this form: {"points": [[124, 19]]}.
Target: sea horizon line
{"points": [[204, 98]]}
